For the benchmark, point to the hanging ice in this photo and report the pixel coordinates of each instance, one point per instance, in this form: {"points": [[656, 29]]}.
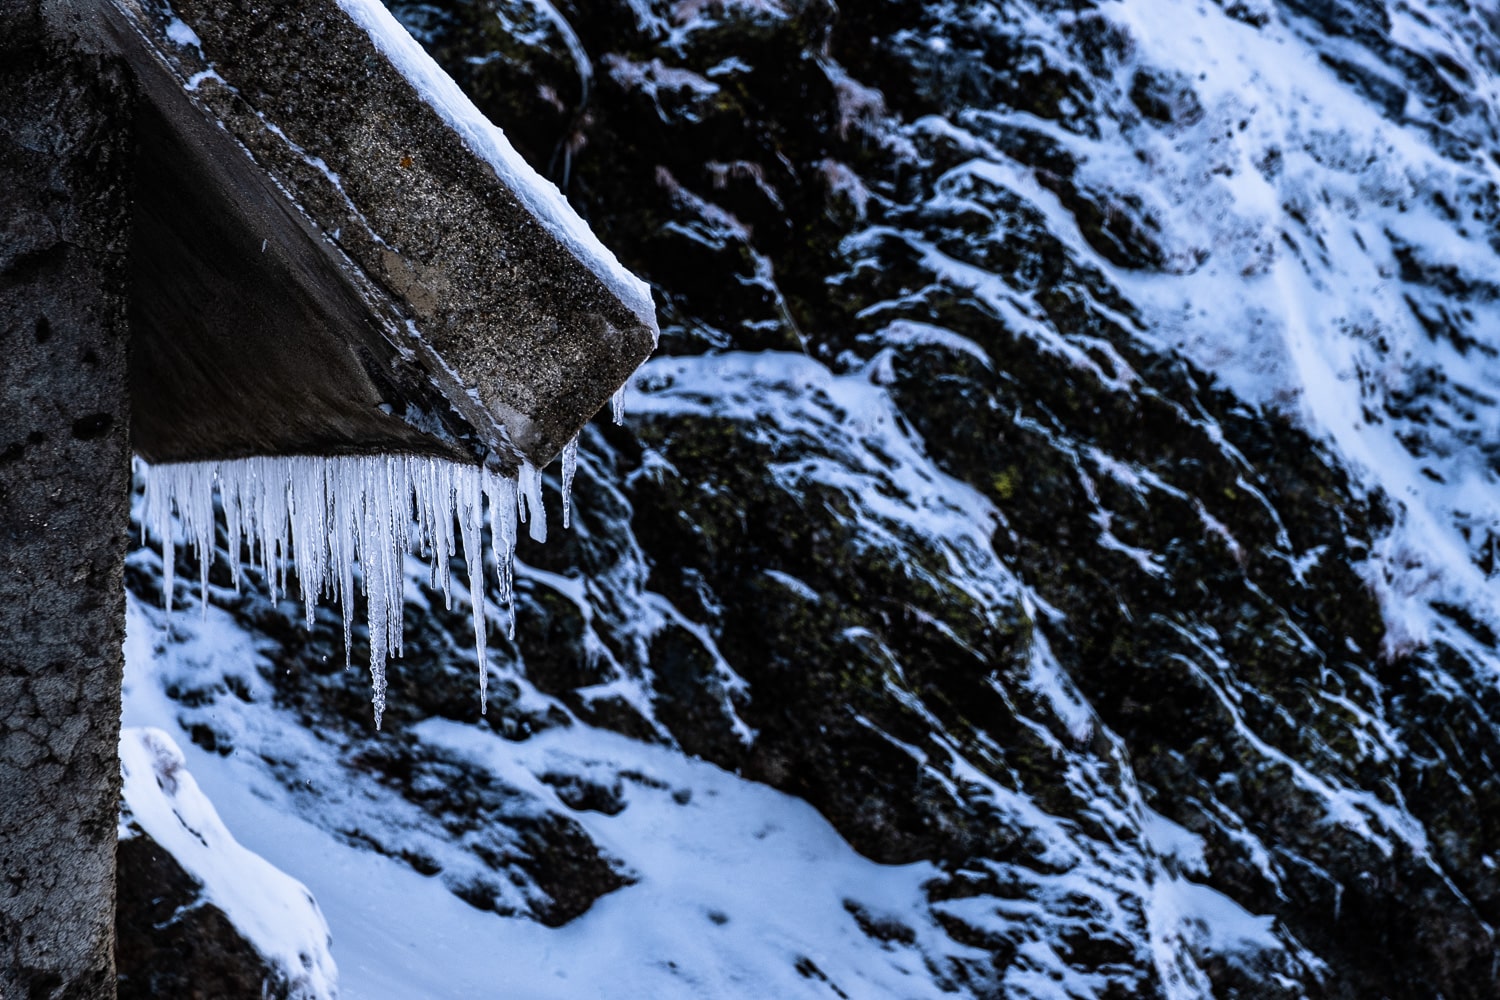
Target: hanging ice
{"points": [[329, 513]]}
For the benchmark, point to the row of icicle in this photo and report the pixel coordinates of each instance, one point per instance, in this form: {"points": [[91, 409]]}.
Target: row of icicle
{"points": [[331, 512]]}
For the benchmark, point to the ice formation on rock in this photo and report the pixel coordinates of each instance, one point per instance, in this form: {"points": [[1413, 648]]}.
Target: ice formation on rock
{"points": [[321, 515]]}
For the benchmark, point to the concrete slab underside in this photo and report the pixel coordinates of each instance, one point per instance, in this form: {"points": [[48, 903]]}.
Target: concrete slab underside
{"points": [[324, 266]]}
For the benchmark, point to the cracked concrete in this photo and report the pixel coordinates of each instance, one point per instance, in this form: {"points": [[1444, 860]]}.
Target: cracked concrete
{"points": [[65, 154]]}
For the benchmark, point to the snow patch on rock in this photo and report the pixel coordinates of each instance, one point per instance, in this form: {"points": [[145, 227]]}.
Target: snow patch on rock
{"points": [[274, 911]]}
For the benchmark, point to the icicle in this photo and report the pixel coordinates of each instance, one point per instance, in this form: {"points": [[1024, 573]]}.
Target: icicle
{"points": [[529, 483], [425, 485], [503, 498], [235, 530], [341, 478], [195, 507], [309, 520], [570, 468], [470, 525], [378, 600], [442, 558], [319, 516], [158, 515], [617, 404]]}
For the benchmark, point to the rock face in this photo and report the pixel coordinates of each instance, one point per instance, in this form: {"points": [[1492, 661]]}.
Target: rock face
{"points": [[1071, 473]]}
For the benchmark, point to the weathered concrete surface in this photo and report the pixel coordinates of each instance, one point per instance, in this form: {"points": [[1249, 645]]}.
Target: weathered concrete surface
{"points": [[414, 277], [247, 338], [65, 153]]}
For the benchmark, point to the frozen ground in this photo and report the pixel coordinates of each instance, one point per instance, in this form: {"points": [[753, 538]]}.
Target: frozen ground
{"points": [[736, 884]]}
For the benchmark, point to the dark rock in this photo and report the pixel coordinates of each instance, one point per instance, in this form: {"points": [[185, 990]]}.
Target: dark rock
{"points": [[171, 942], [1165, 97]]}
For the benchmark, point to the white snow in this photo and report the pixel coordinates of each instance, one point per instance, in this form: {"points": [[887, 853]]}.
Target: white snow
{"points": [[1300, 283], [179, 32], [734, 882], [1048, 679], [1204, 923], [539, 195], [851, 438], [274, 911], [911, 333], [897, 493], [656, 78], [1302, 304], [764, 864], [1288, 214]]}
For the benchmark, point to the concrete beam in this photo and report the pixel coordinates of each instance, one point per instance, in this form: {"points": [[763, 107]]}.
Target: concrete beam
{"points": [[330, 259]]}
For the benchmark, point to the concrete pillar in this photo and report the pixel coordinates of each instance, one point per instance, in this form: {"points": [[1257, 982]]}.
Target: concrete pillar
{"points": [[65, 165]]}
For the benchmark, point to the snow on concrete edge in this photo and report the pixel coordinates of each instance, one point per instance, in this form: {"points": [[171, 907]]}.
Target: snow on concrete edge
{"points": [[539, 195], [274, 911]]}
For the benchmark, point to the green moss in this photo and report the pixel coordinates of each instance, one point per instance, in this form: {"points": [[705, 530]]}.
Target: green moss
{"points": [[1004, 483]]}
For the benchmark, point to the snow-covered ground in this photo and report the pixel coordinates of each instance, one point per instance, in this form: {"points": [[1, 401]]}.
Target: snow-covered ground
{"points": [[735, 886], [271, 910]]}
